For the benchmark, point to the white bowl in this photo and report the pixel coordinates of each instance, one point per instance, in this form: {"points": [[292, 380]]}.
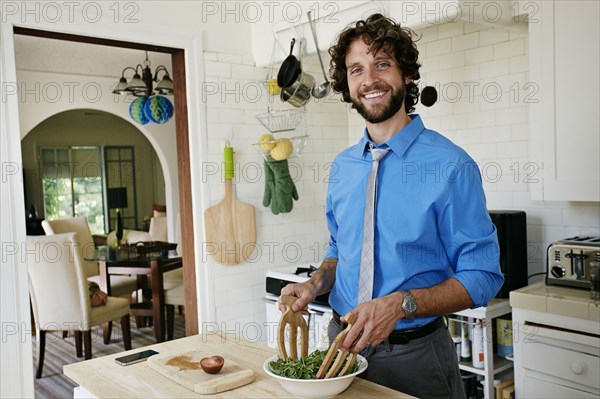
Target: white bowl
{"points": [[316, 389]]}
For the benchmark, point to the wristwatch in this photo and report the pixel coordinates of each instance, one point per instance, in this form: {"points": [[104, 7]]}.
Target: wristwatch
{"points": [[409, 304]]}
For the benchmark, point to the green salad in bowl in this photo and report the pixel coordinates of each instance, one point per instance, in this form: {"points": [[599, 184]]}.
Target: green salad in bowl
{"points": [[304, 368], [298, 377]]}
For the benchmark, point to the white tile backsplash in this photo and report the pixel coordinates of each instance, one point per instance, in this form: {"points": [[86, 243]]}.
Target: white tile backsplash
{"points": [[493, 36], [452, 60], [466, 41], [509, 49], [217, 69], [479, 55], [494, 68], [438, 47], [449, 30]]}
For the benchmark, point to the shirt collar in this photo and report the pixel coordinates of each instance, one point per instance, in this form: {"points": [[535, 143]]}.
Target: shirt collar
{"points": [[399, 143]]}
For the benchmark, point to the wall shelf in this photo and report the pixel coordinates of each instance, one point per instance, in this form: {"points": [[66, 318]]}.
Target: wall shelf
{"points": [[492, 364], [500, 365]]}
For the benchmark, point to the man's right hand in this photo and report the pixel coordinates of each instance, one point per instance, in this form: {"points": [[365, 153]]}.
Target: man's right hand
{"points": [[306, 292], [321, 281]]}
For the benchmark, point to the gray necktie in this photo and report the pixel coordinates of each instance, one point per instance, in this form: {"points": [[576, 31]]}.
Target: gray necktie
{"points": [[367, 261]]}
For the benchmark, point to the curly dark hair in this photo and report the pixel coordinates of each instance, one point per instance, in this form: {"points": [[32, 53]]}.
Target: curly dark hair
{"points": [[380, 33]]}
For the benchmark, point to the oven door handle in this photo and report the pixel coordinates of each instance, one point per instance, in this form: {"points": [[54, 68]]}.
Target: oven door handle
{"points": [[271, 298]]}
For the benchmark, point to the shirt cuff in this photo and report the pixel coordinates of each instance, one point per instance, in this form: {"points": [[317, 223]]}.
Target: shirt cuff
{"points": [[332, 251], [481, 285]]}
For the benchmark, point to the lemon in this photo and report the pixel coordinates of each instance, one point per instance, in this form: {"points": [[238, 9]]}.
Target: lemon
{"points": [[272, 87], [282, 150], [266, 141]]}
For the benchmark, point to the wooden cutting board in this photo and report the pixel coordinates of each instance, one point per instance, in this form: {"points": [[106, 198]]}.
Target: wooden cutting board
{"points": [[184, 369], [231, 224]]}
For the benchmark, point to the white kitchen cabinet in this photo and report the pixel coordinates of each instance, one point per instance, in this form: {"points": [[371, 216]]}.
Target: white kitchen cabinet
{"points": [[556, 333], [564, 54], [493, 365]]}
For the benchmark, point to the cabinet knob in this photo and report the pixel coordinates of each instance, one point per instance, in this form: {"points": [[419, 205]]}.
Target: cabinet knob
{"points": [[577, 368]]}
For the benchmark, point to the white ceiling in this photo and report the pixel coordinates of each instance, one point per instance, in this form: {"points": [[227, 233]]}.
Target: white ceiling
{"points": [[73, 58], [60, 56]]}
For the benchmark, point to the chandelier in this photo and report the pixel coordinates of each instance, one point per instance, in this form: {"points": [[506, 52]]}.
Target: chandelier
{"points": [[148, 107]]}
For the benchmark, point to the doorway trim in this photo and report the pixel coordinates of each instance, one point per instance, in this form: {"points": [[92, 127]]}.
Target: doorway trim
{"points": [[17, 376]]}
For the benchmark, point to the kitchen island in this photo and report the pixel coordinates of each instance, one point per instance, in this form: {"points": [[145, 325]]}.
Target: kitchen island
{"points": [[103, 378]]}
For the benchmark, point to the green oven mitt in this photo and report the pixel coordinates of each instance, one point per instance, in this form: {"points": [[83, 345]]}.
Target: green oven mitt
{"points": [[283, 190], [269, 196]]}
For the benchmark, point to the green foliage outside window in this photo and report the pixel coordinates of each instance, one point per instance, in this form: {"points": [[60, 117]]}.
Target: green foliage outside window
{"points": [[66, 195]]}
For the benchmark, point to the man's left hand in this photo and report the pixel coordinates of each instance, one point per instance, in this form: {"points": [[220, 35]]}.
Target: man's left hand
{"points": [[375, 322]]}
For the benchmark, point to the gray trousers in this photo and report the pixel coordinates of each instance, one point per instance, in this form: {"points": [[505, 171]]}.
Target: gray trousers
{"points": [[426, 367]]}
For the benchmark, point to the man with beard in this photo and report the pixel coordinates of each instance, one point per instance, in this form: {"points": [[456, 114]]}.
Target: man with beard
{"points": [[427, 249]]}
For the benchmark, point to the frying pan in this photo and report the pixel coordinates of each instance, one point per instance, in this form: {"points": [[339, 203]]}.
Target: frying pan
{"points": [[289, 70]]}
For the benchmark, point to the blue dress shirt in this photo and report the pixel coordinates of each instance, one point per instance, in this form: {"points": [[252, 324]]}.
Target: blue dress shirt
{"points": [[431, 220]]}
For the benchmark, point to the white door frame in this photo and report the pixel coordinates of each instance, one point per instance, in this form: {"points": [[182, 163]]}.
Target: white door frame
{"points": [[16, 364]]}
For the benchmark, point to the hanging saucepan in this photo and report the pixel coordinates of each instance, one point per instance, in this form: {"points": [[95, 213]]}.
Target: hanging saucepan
{"points": [[289, 70], [298, 93]]}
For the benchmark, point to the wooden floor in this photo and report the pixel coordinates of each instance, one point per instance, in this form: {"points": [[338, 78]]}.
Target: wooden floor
{"points": [[59, 351]]}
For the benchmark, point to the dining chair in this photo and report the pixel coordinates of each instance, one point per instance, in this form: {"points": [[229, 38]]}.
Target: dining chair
{"points": [[173, 297], [159, 229], [60, 295], [120, 285]]}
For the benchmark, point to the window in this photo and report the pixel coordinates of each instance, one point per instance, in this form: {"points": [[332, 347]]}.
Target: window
{"points": [[119, 163], [73, 185]]}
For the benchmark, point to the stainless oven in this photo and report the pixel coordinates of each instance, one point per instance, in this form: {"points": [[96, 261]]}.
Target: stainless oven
{"points": [[320, 313]]}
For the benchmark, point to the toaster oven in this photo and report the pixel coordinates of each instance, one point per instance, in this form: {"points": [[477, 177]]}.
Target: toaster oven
{"points": [[568, 261]]}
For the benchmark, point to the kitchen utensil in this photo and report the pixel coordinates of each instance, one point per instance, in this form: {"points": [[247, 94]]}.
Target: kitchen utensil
{"points": [[429, 96], [296, 321], [327, 388], [290, 69], [323, 89], [299, 92], [324, 370], [231, 224], [184, 369]]}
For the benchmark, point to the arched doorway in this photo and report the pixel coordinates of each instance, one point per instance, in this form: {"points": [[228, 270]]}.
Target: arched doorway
{"points": [[71, 158]]}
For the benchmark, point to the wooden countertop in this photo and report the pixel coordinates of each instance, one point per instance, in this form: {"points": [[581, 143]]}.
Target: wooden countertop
{"points": [[105, 379], [563, 301]]}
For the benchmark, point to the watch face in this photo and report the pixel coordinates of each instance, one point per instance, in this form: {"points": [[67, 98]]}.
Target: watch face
{"points": [[411, 306]]}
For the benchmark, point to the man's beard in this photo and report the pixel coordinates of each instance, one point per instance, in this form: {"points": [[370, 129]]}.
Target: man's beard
{"points": [[381, 112]]}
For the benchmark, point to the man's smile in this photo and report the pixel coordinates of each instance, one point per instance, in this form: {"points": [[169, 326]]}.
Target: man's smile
{"points": [[375, 95]]}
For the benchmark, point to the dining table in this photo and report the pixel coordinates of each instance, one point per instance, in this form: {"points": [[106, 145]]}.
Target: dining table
{"points": [[104, 378], [142, 267]]}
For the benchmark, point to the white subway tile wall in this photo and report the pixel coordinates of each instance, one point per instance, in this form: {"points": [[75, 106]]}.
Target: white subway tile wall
{"points": [[234, 95], [489, 119]]}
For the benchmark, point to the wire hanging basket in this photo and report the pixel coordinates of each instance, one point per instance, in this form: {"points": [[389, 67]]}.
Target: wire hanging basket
{"points": [[281, 120], [298, 143]]}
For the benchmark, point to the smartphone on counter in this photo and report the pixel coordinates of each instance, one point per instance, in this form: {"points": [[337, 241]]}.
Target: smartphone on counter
{"points": [[135, 357]]}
